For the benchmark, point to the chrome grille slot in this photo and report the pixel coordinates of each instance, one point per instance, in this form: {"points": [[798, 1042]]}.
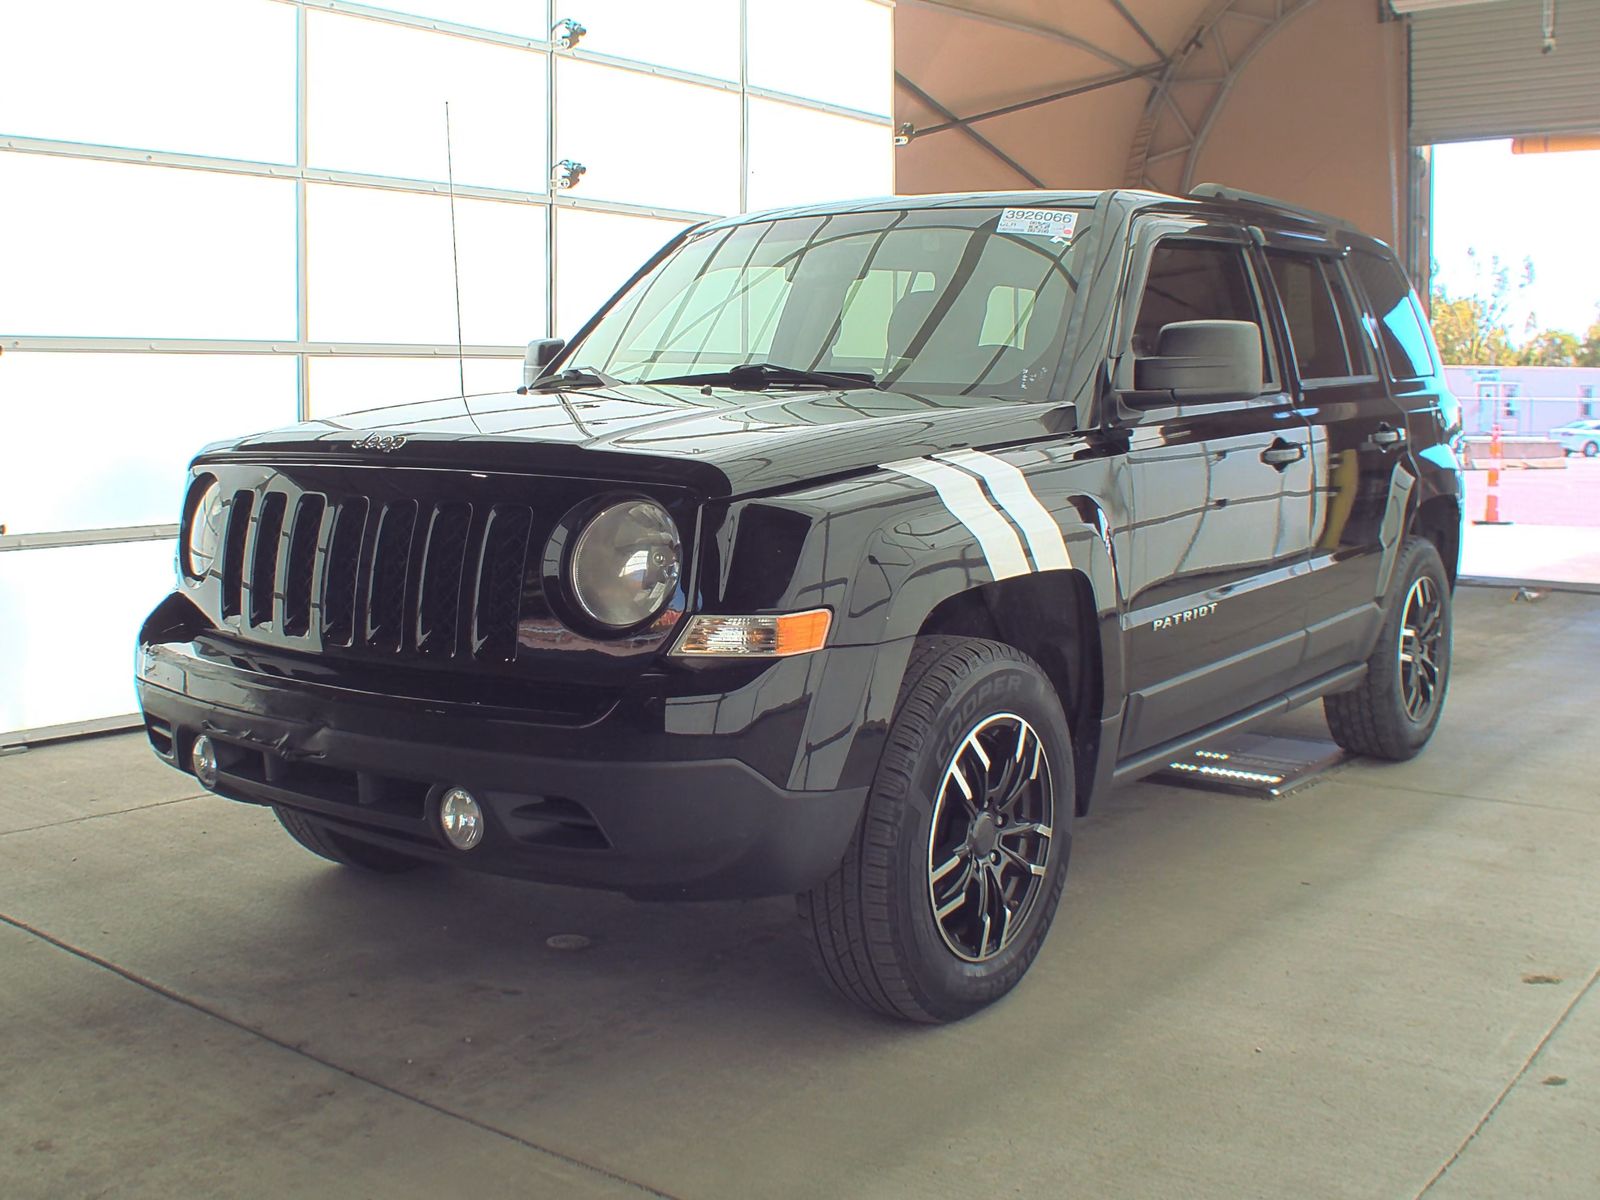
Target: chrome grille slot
{"points": [[439, 602], [341, 571], [302, 564], [391, 560], [501, 565], [264, 560], [233, 552]]}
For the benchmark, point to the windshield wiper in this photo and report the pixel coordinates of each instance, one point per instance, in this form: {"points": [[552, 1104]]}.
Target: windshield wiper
{"points": [[757, 377], [572, 377]]}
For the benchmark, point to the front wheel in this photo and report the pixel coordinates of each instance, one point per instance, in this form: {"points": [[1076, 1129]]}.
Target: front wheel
{"points": [[1395, 709], [1590, 449], [951, 882]]}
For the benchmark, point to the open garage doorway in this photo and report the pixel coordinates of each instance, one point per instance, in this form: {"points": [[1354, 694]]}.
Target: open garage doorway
{"points": [[1504, 103], [1515, 307]]}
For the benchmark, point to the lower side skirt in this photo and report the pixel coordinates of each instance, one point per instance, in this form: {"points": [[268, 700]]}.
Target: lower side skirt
{"points": [[1158, 756]]}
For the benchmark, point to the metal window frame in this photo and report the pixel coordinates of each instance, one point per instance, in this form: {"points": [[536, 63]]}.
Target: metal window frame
{"points": [[117, 536], [302, 174], [740, 84]]}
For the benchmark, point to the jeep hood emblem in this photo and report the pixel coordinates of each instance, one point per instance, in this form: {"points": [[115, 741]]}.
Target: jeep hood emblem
{"points": [[384, 442]]}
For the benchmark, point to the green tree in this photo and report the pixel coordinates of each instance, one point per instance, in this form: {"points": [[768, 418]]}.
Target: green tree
{"points": [[1466, 334], [1589, 349], [1471, 330], [1550, 348]]}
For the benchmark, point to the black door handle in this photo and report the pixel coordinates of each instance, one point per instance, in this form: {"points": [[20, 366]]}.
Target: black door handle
{"points": [[1281, 453]]}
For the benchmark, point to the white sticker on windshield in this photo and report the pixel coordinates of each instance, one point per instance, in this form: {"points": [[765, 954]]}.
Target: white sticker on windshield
{"points": [[1053, 223]]}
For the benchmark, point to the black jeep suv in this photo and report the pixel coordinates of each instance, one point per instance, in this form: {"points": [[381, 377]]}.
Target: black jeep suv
{"points": [[848, 552]]}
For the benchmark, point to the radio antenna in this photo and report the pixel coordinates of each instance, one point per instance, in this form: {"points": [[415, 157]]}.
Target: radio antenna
{"points": [[455, 257]]}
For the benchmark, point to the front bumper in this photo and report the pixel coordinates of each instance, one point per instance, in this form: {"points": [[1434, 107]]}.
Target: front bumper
{"points": [[618, 804]]}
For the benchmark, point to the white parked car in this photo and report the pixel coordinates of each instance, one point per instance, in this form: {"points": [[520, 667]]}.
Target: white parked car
{"points": [[1579, 437]]}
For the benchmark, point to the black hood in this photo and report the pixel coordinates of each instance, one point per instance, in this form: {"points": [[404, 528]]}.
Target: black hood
{"points": [[719, 441]]}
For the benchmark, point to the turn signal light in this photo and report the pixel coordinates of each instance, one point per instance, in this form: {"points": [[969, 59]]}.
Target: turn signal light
{"points": [[755, 637]]}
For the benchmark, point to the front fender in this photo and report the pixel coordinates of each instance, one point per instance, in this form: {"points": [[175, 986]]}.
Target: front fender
{"points": [[885, 550]]}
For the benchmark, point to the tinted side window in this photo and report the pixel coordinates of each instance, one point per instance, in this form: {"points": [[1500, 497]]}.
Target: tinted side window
{"points": [[1319, 348], [1355, 334], [1196, 281], [1405, 344]]}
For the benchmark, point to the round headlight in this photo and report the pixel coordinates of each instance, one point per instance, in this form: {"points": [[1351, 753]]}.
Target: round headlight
{"points": [[625, 563], [202, 540]]}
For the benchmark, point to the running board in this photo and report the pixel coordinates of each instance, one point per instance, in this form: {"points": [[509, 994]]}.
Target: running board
{"points": [[1160, 756]]}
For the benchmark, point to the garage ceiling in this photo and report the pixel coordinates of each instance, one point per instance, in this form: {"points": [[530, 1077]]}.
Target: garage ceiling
{"points": [[1154, 72], [1044, 87]]}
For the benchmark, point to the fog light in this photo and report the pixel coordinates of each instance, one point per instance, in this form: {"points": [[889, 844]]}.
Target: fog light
{"points": [[461, 818], [203, 760]]}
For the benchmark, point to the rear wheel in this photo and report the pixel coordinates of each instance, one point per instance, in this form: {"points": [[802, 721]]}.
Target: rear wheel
{"points": [[950, 885], [347, 852], [1590, 449], [1396, 708]]}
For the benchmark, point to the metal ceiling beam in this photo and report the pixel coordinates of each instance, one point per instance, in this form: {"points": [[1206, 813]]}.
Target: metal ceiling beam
{"points": [[1058, 35], [1139, 29], [1078, 89], [1194, 66], [955, 122]]}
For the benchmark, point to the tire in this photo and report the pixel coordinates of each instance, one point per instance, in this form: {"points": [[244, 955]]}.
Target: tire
{"points": [[872, 926], [1395, 709], [1590, 449], [347, 852]]}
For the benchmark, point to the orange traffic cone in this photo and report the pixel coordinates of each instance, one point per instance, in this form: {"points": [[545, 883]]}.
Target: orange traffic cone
{"points": [[1491, 503]]}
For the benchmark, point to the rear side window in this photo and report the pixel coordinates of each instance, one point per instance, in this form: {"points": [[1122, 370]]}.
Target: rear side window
{"points": [[1314, 325], [1405, 343], [1356, 342], [1197, 281]]}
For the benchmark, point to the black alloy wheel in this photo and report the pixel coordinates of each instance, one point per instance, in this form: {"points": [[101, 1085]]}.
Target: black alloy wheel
{"points": [[990, 837], [1420, 650]]}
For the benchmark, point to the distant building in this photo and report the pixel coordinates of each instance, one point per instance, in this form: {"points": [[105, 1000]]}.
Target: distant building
{"points": [[1529, 400]]}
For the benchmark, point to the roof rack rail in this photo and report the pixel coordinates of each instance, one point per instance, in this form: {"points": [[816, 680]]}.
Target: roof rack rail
{"points": [[1218, 191]]}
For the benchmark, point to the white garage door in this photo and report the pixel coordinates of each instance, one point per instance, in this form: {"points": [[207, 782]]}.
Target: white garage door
{"points": [[1480, 70], [226, 215]]}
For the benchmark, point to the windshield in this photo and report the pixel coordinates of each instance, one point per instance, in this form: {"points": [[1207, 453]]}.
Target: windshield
{"points": [[936, 300]]}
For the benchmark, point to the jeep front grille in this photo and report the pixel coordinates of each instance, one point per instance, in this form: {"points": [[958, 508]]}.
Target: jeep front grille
{"points": [[381, 576]]}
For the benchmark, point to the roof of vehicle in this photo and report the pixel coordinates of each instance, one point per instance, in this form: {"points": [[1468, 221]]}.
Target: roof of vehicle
{"points": [[1247, 207]]}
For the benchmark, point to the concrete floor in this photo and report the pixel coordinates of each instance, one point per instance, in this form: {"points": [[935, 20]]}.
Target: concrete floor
{"points": [[1383, 985]]}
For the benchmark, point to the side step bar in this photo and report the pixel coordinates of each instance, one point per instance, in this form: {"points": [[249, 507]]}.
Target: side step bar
{"points": [[1159, 756]]}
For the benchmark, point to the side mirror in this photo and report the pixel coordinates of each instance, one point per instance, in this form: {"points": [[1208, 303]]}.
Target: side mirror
{"points": [[541, 353], [1203, 360]]}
